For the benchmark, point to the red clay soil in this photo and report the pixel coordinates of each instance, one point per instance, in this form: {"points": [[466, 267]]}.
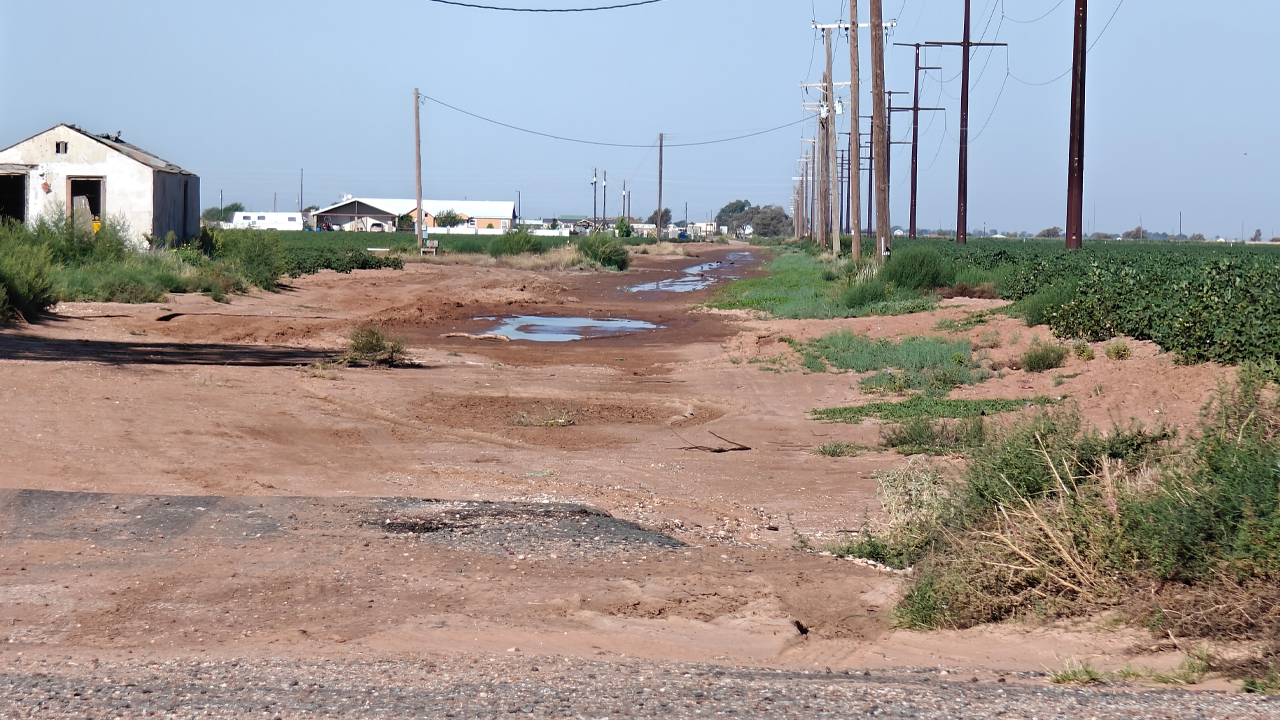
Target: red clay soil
{"points": [[118, 409]]}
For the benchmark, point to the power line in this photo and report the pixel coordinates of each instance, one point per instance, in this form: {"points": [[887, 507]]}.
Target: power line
{"points": [[546, 10], [1028, 22], [608, 144], [1091, 46]]}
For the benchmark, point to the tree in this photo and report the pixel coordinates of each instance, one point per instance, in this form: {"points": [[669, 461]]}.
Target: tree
{"points": [[666, 218], [1199, 237], [767, 221], [448, 219], [1138, 233], [222, 214], [1053, 232], [732, 210], [1257, 235], [1102, 236], [624, 228]]}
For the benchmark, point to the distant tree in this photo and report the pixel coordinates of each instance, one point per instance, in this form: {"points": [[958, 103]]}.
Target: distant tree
{"points": [[733, 209], [666, 218], [311, 208], [1102, 236], [1275, 239], [1138, 233], [222, 214], [448, 219], [1257, 235], [624, 228], [767, 221], [1198, 237], [1053, 232]]}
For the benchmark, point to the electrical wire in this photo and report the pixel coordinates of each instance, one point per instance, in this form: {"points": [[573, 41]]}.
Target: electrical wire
{"points": [[1028, 22], [1091, 46], [608, 144], [546, 10]]}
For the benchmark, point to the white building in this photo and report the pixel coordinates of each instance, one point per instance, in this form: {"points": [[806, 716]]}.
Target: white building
{"points": [[268, 221], [60, 165]]}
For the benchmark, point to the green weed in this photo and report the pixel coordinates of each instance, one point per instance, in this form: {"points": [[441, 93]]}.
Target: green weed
{"points": [[1082, 350], [839, 449], [1117, 350], [369, 345], [1041, 357], [929, 408], [1076, 673]]}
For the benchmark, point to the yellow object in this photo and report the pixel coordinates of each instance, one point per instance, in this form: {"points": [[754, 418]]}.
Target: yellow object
{"points": [[97, 225]]}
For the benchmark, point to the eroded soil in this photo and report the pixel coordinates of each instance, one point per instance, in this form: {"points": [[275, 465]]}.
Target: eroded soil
{"points": [[180, 482]]}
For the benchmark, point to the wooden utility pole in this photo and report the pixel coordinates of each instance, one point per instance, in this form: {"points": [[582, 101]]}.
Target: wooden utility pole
{"points": [[915, 132], [1075, 165], [962, 185], [879, 125], [820, 163], [417, 164], [832, 218], [855, 149], [659, 223]]}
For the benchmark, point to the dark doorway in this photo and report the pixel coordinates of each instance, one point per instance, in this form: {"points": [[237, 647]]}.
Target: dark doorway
{"points": [[91, 190], [13, 197]]}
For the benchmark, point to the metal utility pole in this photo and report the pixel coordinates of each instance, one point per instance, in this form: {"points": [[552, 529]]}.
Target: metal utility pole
{"points": [[606, 197], [888, 160], [879, 125], [962, 200], [659, 223], [915, 132], [417, 156], [855, 147], [595, 197], [1075, 163], [302, 176]]}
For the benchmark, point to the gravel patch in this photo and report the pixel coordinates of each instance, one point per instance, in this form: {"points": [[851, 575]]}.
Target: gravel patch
{"points": [[463, 687]]}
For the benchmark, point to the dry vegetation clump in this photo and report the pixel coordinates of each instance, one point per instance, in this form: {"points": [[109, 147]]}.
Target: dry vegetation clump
{"points": [[1051, 520], [550, 416], [1118, 350], [663, 248], [558, 258], [369, 345]]}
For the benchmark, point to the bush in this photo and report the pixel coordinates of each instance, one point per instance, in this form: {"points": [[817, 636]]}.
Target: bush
{"points": [[859, 295], [515, 243], [918, 268], [26, 272], [257, 255], [605, 250], [1083, 350], [1117, 350], [1040, 357], [370, 345], [1039, 309]]}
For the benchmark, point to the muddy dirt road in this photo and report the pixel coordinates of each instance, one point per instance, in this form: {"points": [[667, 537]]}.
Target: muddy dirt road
{"points": [[180, 487]]}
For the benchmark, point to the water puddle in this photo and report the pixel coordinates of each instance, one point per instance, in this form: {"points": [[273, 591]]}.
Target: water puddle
{"points": [[566, 329], [699, 277]]}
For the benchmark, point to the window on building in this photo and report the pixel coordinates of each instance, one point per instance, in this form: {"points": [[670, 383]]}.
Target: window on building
{"points": [[262, 217], [471, 222], [60, 147]]}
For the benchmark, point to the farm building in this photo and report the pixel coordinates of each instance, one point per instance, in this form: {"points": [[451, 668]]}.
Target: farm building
{"points": [[379, 215], [66, 167]]}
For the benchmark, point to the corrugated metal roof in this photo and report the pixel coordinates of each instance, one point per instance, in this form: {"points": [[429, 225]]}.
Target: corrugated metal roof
{"points": [[469, 208], [115, 143]]}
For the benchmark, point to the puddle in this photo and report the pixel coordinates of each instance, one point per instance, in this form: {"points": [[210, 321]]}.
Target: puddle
{"points": [[567, 329], [699, 277]]}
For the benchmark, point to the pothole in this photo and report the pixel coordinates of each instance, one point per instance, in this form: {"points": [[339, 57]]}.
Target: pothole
{"points": [[699, 277], [566, 329]]}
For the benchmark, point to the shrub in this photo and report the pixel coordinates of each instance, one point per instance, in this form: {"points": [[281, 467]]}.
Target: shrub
{"points": [[369, 345], [605, 250], [918, 268], [515, 243], [26, 272], [1041, 357], [255, 254], [859, 295], [921, 436], [1117, 350], [1083, 350], [464, 244], [1039, 308]]}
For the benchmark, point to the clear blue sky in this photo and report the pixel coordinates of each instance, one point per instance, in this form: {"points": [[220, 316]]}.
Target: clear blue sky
{"points": [[1182, 101]]}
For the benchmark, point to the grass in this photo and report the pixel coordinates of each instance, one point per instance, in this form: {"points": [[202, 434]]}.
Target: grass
{"points": [[1082, 350], [1268, 684], [921, 436], [839, 449], [933, 365], [369, 345], [1117, 350], [928, 408], [1077, 673]]}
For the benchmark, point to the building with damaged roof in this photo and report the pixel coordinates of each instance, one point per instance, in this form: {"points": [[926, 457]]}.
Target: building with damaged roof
{"points": [[66, 167]]}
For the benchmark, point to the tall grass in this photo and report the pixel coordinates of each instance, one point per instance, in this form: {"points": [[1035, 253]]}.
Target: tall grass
{"points": [[934, 365]]}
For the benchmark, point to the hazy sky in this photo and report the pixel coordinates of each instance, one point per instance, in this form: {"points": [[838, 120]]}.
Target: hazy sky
{"points": [[1182, 101]]}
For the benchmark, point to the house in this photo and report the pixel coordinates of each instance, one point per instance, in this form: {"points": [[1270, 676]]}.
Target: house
{"points": [[381, 214], [66, 167], [267, 221]]}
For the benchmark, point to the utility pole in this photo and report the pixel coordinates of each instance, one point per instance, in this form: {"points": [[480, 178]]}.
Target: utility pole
{"points": [[605, 220], [915, 132], [962, 200], [417, 159], [855, 146], [302, 176], [275, 196], [888, 160], [833, 169], [1075, 162], [879, 134], [595, 198], [659, 223]]}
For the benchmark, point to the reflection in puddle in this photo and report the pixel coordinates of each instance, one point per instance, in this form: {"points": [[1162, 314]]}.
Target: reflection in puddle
{"points": [[557, 329], [698, 277]]}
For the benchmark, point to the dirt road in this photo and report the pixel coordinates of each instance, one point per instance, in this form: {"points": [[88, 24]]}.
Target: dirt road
{"points": [[180, 488]]}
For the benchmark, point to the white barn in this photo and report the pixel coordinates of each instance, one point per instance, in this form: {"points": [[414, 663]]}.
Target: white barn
{"points": [[116, 178]]}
